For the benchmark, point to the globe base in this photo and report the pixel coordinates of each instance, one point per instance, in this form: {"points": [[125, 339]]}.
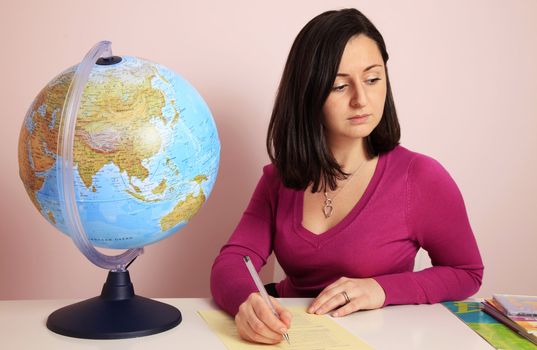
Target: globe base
{"points": [[116, 314]]}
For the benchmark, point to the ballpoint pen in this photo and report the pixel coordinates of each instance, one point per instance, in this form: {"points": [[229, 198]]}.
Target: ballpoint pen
{"points": [[262, 290]]}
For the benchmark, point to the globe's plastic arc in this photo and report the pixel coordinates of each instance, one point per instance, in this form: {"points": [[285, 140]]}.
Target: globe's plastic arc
{"points": [[66, 185]]}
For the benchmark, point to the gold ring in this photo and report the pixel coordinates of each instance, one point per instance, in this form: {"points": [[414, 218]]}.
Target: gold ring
{"points": [[347, 299]]}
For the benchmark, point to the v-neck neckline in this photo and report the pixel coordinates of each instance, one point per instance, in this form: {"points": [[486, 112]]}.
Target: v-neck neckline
{"points": [[318, 239]]}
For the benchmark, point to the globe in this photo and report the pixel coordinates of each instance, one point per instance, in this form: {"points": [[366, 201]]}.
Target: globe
{"points": [[117, 152], [145, 152]]}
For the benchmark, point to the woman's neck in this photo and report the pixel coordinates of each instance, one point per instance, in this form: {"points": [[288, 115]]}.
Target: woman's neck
{"points": [[349, 153]]}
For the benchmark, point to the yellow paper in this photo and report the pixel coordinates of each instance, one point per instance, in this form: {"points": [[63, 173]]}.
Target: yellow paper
{"points": [[307, 332]]}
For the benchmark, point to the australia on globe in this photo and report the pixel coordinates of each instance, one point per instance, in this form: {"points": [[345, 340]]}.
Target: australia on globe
{"points": [[145, 154]]}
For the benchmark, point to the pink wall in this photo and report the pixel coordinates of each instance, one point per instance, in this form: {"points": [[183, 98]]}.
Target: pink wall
{"points": [[464, 79]]}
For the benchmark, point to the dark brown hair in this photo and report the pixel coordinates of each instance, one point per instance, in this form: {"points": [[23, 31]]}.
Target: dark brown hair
{"points": [[296, 143]]}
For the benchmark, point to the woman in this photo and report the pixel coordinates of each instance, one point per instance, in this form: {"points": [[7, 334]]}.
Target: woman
{"points": [[343, 206]]}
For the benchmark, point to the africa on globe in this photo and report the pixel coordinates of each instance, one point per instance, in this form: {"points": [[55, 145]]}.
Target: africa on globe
{"points": [[145, 153]]}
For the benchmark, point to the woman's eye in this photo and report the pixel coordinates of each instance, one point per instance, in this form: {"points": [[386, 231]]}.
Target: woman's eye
{"points": [[372, 81], [339, 87]]}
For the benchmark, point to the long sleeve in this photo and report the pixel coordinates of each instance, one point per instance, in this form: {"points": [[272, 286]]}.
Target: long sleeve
{"points": [[231, 282], [437, 220]]}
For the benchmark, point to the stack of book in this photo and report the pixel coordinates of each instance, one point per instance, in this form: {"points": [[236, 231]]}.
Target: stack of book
{"points": [[518, 312]]}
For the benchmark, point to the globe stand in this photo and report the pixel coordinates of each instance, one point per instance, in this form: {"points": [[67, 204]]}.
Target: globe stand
{"points": [[116, 314]]}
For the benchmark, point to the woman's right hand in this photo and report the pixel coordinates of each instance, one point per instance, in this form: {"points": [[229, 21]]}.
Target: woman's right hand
{"points": [[256, 322]]}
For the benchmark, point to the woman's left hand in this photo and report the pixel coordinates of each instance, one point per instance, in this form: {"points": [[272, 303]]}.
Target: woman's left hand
{"points": [[348, 295]]}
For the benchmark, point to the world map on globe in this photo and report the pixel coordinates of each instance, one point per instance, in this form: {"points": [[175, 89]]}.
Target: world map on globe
{"points": [[145, 154]]}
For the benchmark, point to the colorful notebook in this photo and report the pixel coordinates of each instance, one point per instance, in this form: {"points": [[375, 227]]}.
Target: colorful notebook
{"points": [[529, 324], [493, 331], [498, 315]]}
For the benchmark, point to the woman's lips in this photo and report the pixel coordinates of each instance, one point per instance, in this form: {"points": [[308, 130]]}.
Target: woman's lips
{"points": [[358, 119]]}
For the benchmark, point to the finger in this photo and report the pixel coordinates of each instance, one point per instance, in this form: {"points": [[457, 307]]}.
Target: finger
{"points": [[284, 315], [273, 324], [329, 292], [247, 333], [243, 328], [330, 304], [257, 332], [251, 327], [356, 304]]}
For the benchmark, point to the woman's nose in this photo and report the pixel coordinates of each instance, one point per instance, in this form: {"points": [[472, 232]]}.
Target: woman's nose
{"points": [[359, 97]]}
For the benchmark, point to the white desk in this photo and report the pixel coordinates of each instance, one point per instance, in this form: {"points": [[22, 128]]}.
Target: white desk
{"points": [[22, 326]]}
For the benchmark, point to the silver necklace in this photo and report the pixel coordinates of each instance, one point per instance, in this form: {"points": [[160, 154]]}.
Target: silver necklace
{"points": [[328, 208]]}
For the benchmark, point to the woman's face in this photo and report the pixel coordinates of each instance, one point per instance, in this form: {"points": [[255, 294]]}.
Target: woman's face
{"points": [[354, 106]]}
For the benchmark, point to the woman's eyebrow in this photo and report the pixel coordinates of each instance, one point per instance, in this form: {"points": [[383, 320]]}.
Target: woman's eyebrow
{"points": [[372, 66], [341, 74]]}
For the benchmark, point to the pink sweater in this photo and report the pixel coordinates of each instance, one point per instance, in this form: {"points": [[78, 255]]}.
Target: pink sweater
{"points": [[411, 202]]}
